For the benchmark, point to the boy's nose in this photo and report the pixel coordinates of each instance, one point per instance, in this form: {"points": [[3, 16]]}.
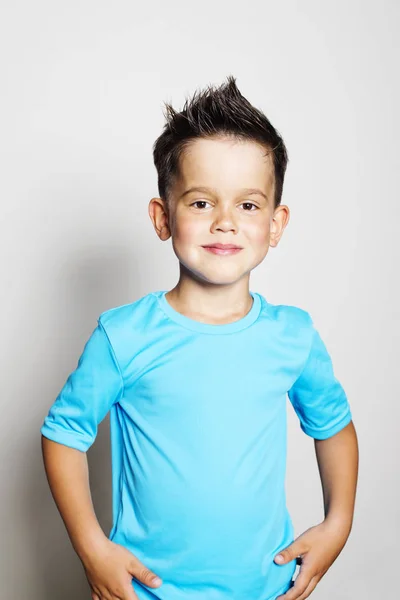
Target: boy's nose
{"points": [[225, 221]]}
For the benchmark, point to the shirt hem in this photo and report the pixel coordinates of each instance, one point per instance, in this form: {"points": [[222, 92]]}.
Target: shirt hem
{"points": [[64, 438], [327, 433]]}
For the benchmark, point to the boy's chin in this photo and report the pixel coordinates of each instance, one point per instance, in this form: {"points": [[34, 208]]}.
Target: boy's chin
{"points": [[225, 278]]}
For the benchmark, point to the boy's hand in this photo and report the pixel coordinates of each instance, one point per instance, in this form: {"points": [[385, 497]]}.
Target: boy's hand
{"points": [[109, 571], [318, 547]]}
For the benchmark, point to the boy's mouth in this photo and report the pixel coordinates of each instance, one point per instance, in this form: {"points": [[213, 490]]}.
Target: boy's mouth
{"points": [[223, 248]]}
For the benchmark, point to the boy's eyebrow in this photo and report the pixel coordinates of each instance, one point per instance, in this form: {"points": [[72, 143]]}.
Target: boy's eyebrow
{"points": [[248, 191]]}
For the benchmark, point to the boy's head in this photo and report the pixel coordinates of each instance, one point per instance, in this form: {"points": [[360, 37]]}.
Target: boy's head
{"points": [[221, 167]]}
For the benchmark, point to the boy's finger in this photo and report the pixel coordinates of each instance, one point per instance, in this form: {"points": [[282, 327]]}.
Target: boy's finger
{"points": [[297, 591], [143, 574], [130, 594], [305, 593]]}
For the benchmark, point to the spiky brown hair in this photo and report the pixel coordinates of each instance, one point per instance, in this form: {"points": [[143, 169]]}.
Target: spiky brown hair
{"points": [[215, 111]]}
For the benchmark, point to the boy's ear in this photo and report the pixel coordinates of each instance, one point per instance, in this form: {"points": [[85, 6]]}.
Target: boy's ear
{"points": [[159, 215], [280, 219]]}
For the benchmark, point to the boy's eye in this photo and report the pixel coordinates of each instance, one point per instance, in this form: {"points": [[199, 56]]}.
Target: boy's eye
{"points": [[244, 203], [250, 204], [199, 202]]}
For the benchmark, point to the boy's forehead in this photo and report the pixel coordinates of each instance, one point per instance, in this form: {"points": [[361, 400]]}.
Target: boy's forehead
{"points": [[226, 164]]}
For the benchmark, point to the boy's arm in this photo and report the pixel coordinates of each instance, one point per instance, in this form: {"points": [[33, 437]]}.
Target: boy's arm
{"points": [[109, 567], [68, 476], [68, 431], [337, 459], [325, 415], [320, 545]]}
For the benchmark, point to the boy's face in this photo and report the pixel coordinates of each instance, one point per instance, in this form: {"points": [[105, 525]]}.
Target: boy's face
{"points": [[234, 206]]}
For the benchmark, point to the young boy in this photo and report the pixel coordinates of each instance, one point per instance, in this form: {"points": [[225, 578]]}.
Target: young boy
{"points": [[196, 380]]}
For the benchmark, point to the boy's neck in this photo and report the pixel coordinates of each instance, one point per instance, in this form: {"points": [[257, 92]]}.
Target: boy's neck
{"points": [[214, 304]]}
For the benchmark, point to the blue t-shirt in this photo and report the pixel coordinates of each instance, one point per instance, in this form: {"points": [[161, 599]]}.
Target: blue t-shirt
{"points": [[198, 438]]}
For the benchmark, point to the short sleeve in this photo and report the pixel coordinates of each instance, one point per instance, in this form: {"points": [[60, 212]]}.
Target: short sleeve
{"points": [[87, 395], [317, 396]]}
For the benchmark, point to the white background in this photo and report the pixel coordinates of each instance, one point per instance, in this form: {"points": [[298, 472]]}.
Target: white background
{"points": [[82, 85]]}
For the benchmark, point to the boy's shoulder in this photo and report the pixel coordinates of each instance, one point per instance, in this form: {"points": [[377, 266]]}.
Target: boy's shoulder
{"points": [[134, 312], [129, 326], [289, 314], [293, 325]]}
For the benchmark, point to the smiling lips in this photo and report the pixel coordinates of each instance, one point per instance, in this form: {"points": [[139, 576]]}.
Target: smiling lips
{"points": [[223, 248]]}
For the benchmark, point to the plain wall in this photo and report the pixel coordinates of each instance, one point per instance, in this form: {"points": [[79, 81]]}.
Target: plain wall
{"points": [[82, 86]]}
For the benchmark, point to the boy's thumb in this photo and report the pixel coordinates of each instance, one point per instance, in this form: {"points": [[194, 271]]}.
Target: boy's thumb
{"points": [[288, 554], [143, 574]]}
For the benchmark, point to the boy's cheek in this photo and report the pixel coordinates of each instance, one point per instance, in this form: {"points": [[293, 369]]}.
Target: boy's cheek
{"points": [[186, 232]]}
